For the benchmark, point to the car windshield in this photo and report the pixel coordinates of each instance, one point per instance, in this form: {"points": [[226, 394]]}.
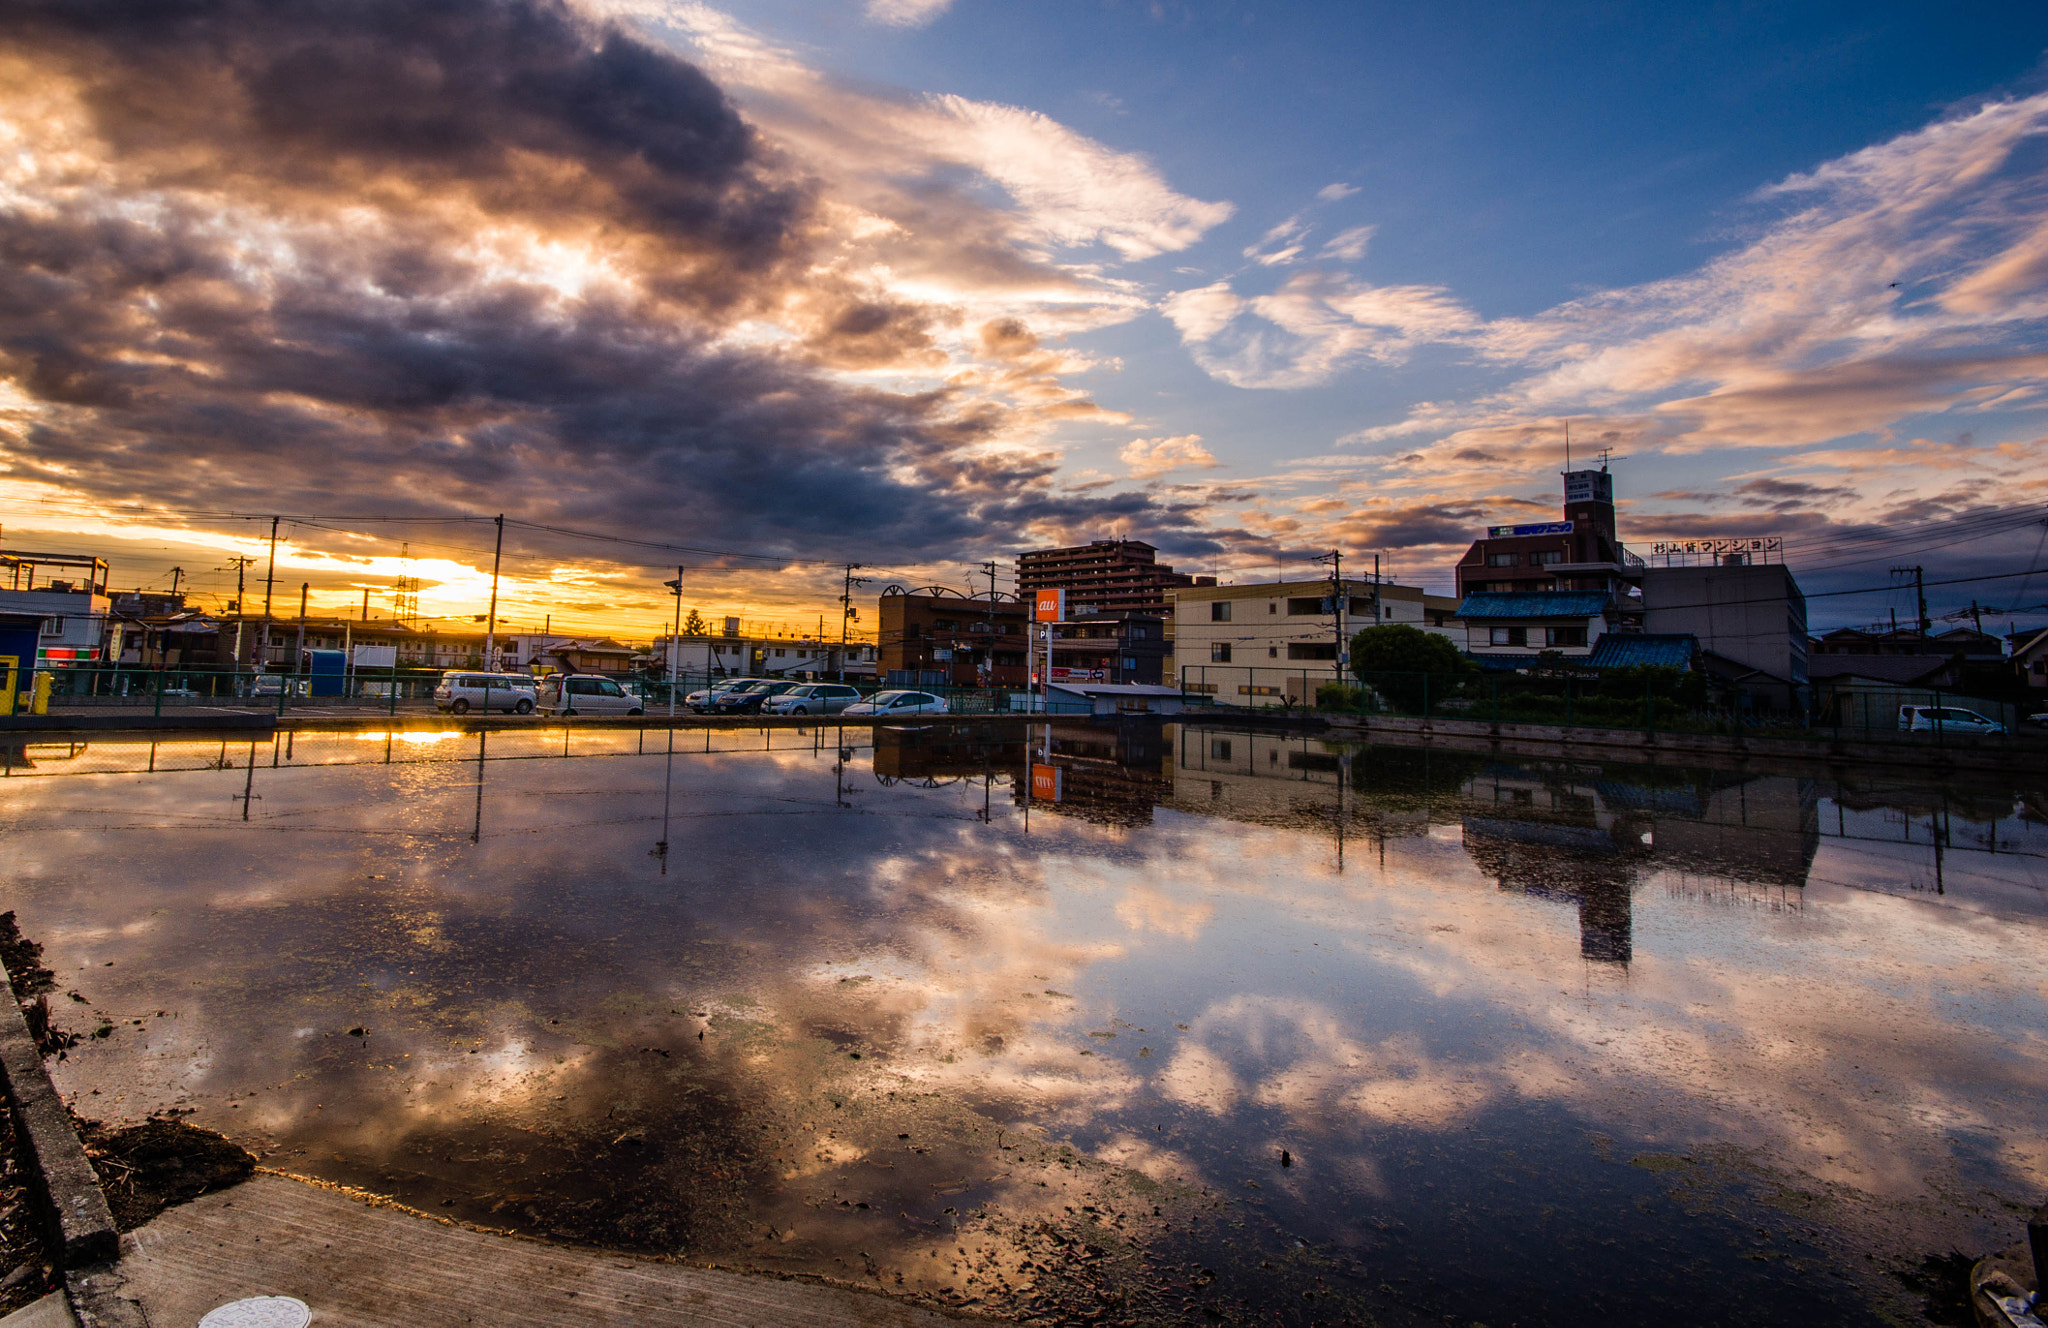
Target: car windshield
{"points": [[751, 687], [887, 698]]}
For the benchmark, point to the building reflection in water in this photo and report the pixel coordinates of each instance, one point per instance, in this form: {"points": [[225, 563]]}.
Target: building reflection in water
{"points": [[1582, 834]]}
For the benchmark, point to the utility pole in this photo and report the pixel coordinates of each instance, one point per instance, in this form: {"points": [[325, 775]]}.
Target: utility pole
{"points": [[1336, 560], [366, 604], [846, 611], [677, 586], [990, 567], [491, 627], [269, 584], [1919, 596], [177, 575], [1977, 616]]}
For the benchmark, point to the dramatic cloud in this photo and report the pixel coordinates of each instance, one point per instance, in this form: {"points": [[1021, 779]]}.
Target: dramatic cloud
{"points": [[1150, 458], [1902, 282], [499, 254]]}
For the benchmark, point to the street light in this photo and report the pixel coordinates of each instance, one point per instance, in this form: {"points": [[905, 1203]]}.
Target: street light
{"points": [[677, 586]]}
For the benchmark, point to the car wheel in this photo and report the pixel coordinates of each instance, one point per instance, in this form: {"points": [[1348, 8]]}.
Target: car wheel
{"points": [[523, 708], [636, 710], [568, 712], [460, 707], [798, 710]]}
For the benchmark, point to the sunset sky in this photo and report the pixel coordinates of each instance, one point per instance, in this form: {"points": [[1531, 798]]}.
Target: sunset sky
{"points": [[916, 284]]}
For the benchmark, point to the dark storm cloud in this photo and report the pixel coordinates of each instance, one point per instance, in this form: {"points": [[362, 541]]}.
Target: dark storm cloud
{"points": [[279, 289]]}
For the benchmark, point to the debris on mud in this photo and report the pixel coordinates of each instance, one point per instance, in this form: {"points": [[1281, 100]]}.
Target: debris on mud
{"points": [[147, 1168], [23, 957], [25, 1262]]}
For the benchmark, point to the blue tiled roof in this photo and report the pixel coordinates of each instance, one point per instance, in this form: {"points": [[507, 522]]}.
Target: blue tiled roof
{"points": [[1534, 604], [1629, 650]]}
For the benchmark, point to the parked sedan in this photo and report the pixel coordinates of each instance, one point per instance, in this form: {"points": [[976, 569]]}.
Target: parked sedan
{"points": [[898, 703], [700, 701], [812, 698], [747, 698]]}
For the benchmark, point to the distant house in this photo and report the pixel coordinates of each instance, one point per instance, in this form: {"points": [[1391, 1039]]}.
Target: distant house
{"points": [[1509, 629], [586, 655]]}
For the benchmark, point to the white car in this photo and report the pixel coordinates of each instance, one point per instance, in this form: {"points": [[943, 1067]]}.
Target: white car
{"points": [[585, 694], [462, 692], [898, 703], [1945, 719], [700, 700], [813, 698]]}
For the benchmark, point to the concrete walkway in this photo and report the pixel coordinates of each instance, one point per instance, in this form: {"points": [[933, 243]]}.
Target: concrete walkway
{"points": [[357, 1264]]}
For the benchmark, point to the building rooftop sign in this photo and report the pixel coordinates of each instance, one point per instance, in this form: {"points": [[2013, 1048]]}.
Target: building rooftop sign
{"points": [[1535, 528], [1753, 548]]}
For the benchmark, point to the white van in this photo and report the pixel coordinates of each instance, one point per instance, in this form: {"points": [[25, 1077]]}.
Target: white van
{"points": [[585, 694], [462, 692]]}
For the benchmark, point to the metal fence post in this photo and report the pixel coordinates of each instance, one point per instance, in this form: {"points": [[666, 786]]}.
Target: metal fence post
{"points": [[394, 689], [1495, 689], [1425, 696], [1649, 707], [158, 711], [1568, 703]]}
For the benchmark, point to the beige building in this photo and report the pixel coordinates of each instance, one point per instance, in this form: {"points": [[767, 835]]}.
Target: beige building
{"points": [[1271, 642]]}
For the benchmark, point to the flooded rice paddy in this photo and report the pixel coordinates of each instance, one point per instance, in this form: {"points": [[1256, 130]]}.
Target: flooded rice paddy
{"points": [[1146, 1025]]}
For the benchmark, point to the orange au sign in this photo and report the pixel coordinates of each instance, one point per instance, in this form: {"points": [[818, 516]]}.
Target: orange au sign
{"points": [[1045, 782], [1049, 606]]}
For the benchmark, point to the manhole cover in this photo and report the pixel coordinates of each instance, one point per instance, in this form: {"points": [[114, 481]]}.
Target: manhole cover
{"points": [[259, 1312]]}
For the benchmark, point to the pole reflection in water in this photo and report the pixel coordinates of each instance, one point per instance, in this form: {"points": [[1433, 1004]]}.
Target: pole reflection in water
{"points": [[476, 830], [668, 780]]}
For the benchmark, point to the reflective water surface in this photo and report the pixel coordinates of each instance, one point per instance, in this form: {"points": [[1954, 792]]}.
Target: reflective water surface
{"points": [[1146, 1024]]}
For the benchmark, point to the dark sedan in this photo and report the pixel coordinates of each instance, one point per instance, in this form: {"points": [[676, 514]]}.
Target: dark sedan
{"points": [[746, 699]]}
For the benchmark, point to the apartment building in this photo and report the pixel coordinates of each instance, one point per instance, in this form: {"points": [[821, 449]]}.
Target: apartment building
{"points": [[1274, 642], [938, 636], [1106, 576]]}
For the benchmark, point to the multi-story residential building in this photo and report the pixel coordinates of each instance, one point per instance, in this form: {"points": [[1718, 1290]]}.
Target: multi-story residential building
{"points": [[938, 636], [1109, 647], [1580, 552], [1106, 576], [1272, 642], [68, 593]]}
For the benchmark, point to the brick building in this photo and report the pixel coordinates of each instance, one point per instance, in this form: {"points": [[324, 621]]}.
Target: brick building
{"points": [[973, 641]]}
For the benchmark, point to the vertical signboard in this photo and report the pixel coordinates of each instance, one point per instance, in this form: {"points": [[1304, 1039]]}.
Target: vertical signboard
{"points": [[1045, 783], [1049, 606]]}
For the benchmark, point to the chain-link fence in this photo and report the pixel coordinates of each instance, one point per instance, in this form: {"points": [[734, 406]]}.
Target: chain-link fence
{"points": [[1642, 699]]}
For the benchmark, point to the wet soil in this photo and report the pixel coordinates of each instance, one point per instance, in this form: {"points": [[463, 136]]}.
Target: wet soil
{"points": [[147, 1168], [25, 1261]]}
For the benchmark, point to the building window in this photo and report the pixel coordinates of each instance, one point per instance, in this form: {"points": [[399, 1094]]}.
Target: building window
{"points": [[53, 627], [1219, 610], [1567, 636], [1546, 557], [1258, 691], [1307, 607], [1219, 652], [1503, 560], [1390, 611], [1273, 652], [1508, 636], [1219, 749], [1326, 650]]}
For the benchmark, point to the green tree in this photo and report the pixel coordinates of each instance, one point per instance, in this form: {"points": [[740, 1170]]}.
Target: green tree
{"points": [[1399, 648], [1392, 658], [694, 624]]}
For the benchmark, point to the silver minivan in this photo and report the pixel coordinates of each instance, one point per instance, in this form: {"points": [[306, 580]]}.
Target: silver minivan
{"points": [[586, 694], [463, 691]]}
